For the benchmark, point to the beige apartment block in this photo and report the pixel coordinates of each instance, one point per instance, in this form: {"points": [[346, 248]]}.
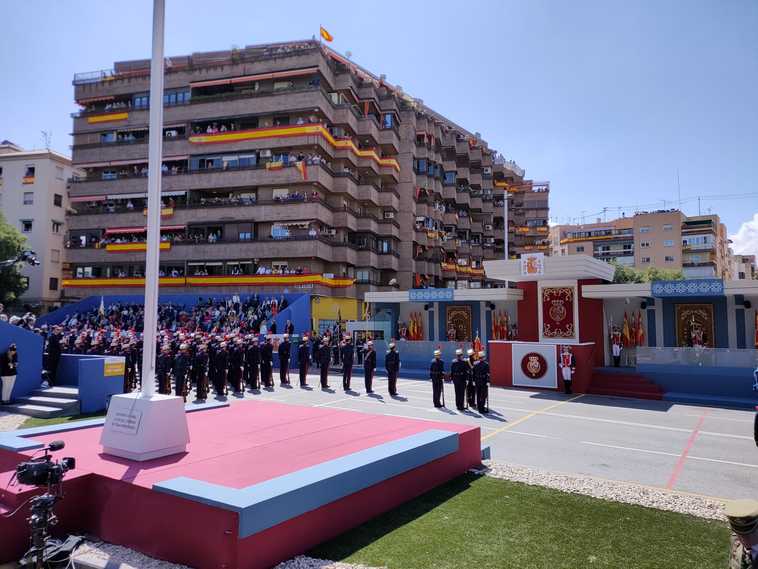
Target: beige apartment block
{"points": [[33, 199], [287, 159]]}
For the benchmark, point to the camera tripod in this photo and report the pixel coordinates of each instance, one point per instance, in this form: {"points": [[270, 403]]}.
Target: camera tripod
{"points": [[41, 520]]}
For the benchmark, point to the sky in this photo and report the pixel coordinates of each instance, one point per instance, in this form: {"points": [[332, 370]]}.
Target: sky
{"points": [[622, 105]]}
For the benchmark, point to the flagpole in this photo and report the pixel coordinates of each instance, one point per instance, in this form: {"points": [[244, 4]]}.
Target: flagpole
{"points": [[154, 175]]}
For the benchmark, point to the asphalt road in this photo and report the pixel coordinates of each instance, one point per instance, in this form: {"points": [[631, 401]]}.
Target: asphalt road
{"points": [[703, 450]]}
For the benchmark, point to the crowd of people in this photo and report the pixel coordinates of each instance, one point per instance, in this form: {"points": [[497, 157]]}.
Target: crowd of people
{"points": [[230, 344]]}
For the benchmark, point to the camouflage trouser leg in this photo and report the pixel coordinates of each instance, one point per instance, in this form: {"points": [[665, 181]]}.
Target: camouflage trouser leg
{"points": [[739, 557]]}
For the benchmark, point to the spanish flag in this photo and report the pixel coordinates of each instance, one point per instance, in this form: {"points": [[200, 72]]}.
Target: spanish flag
{"points": [[302, 168], [326, 35]]}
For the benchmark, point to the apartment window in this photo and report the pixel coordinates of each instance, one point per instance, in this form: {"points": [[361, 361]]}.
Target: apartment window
{"points": [[57, 200], [56, 226], [627, 247], [29, 172], [28, 198], [26, 225], [53, 283], [279, 266], [1, 171], [141, 101], [645, 229], [388, 120], [645, 244], [668, 227], [59, 172], [55, 255], [669, 259], [645, 260], [580, 249], [668, 243]]}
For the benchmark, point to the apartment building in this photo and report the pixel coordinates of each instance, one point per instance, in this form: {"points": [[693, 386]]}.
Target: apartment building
{"points": [[33, 199], [667, 239], [743, 267], [285, 166]]}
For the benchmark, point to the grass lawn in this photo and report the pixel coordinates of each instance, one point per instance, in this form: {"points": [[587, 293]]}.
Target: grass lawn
{"points": [[482, 522], [38, 422]]}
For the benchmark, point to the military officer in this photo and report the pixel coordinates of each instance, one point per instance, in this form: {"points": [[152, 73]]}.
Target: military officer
{"points": [[252, 363], [285, 350], [347, 363], [481, 375], [182, 368], [459, 371], [437, 374], [470, 387], [567, 365], [222, 369], [236, 365], [324, 358], [267, 361], [303, 359], [163, 370], [392, 365], [200, 372], [743, 521], [369, 365]]}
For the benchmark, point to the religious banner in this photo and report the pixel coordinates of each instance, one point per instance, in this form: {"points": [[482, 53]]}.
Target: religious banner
{"points": [[694, 325], [458, 323], [558, 312]]}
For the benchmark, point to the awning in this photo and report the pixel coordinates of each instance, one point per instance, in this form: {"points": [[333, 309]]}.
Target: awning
{"points": [[80, 199], [141, 195], [301, 224], [94, 100], [122, 230], [128, 162], [258, 77]]}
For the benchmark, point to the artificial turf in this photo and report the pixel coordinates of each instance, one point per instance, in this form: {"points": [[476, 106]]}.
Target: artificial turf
{"points": [[482, 522], [40, 422]]}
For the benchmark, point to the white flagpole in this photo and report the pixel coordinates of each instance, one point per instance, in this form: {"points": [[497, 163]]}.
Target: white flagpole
{"points": [[154, 164]]}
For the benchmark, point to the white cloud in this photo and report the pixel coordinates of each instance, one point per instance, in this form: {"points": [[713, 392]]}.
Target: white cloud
{"points": [[746, 239]]}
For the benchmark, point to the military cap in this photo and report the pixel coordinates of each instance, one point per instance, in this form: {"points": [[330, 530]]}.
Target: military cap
{"points": [[743, 515]]}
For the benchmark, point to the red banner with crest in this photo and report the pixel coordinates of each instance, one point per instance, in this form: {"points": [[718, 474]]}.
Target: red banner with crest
{"points": [[558, 312]]}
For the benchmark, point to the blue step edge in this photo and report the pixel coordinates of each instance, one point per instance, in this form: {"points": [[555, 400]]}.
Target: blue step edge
{"points": [[486, 452], [710, 400]]}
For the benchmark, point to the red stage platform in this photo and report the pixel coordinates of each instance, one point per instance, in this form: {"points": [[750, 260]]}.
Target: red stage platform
{"points": [[261, 482]]}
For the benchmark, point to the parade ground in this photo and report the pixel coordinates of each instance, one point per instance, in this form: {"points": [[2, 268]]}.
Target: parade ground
{"points": [[703, 450]]}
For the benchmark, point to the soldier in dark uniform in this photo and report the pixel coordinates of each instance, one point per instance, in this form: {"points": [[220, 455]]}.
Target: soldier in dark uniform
{"points": [[130, 366], [53, 355], [163, 370], [252, 364], [200, 372], [324, 358], [481, 375], [347, 364], [369, 365], [459, 371], [182, 368], [303, 359], [236, 363], [285, 350], [267, 359], [437, 375], [470, 387], [221, 371], [392, 365]]}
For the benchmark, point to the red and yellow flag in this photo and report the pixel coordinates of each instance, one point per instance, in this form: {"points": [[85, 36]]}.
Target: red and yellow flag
{"points": [[302, 168], [326, 35], [625, 332]]}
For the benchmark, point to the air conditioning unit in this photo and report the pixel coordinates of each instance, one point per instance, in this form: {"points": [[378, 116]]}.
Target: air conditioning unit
{"points": [[488, 227], [389, 215]]}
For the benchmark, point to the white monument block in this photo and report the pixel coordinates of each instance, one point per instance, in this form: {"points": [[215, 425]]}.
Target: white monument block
{"points": [[140, 427]]}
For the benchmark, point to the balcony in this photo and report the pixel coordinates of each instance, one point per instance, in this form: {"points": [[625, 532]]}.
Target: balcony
{"points": [[476, 203], [463, 174], [464, 222], [449, 192]]}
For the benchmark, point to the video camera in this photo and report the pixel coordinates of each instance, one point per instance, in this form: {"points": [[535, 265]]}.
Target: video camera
{"points": [[43, 471]]}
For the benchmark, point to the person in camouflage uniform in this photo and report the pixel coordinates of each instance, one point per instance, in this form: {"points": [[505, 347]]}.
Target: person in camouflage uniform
{"points": [[743, 519]]}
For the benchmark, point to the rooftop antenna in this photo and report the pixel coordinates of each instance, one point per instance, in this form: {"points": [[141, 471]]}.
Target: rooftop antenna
{"points": [[678, 190], [348, 54], [47, 136]]}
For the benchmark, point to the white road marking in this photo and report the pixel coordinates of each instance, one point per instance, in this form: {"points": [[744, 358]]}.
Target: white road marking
{"points": [[673, 454]]}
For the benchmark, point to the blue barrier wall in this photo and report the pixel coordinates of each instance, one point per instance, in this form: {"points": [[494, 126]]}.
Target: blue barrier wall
{"points": [[415, 357], [30, 348], [87, 372], [718, 384]]}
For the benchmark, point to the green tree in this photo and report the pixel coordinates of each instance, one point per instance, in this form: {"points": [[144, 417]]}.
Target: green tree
{"points": [[625, 274], [11, 244]]}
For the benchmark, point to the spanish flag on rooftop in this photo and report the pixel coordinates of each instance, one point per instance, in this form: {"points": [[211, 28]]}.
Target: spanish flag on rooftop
{"points": [[326, 35]]}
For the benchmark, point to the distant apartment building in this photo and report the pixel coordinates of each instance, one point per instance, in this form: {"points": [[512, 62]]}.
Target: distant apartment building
{"points": [[287, 165], [33, 199], [667, 239], [743, 267]]}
